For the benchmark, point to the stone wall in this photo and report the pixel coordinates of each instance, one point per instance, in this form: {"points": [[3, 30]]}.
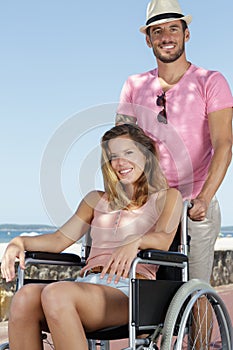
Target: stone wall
{"points": [[222, 274], [222, 268]]}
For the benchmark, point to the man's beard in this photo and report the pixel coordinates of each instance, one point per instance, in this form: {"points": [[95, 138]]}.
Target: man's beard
{"points": [[171, 58]]}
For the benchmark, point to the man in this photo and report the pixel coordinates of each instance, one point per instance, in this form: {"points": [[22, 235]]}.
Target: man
{"points": [[187, 111]]}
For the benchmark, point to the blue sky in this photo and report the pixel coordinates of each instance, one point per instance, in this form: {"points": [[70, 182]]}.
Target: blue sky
{"points": [[60, 59]]}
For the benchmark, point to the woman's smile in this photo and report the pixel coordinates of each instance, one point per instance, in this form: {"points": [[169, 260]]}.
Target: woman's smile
{"points": [[125, 172]]}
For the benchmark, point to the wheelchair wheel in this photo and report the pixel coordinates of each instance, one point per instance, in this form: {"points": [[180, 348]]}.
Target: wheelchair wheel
{"points": [[187, 328], [4, 346]]}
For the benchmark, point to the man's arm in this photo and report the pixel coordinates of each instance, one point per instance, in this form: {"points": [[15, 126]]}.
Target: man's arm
{"points": [[124, 119], [220, 126]]}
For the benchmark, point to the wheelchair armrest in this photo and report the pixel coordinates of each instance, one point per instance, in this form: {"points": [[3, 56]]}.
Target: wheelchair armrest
{"points": [[53, 257], [163, 256], [46, 258]]}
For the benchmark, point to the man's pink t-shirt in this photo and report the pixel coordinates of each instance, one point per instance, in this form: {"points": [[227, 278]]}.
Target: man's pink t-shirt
{"points": [[184, 144]]}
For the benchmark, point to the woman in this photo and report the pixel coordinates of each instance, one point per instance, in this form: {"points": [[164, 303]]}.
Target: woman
{"points": [[136, 211]]}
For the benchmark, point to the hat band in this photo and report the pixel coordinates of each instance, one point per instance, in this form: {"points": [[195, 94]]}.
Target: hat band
{"points": [[163, 16]]}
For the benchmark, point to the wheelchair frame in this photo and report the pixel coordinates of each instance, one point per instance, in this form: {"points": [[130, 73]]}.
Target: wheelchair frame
{"points": [[169, 327]]}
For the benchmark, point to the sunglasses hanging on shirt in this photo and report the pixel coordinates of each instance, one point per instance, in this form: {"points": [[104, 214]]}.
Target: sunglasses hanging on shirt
{"points": [[161, 102]]}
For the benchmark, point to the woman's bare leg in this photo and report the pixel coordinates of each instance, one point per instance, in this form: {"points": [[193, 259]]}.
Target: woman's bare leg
{"points": [[25, 318], [71, 307]]}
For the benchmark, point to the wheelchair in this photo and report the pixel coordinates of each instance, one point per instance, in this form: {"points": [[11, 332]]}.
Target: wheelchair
{"points": [[163, 313]]}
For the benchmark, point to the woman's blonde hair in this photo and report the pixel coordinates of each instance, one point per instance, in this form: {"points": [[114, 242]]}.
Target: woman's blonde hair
{"points": [[152, 179]]}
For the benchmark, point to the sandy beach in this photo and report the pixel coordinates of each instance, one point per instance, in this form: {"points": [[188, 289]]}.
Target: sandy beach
{"points": [[223, 243], [2, 249]]}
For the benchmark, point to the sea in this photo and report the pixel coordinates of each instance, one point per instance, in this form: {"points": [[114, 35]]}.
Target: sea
{"points": [[9, 233]]}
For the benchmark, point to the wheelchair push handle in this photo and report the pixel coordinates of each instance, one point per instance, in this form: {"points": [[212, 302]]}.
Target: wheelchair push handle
{"points": [[190, 205]]}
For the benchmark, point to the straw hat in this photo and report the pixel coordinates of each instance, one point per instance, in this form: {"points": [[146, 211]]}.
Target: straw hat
{"points": [[163, 11]]}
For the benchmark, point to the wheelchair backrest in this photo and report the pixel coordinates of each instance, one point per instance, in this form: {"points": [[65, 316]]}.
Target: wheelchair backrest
{"points": [[180, 244]]}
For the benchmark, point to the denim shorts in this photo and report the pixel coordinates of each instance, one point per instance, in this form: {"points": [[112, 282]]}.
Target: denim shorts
{"points": [[122, 285]]}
